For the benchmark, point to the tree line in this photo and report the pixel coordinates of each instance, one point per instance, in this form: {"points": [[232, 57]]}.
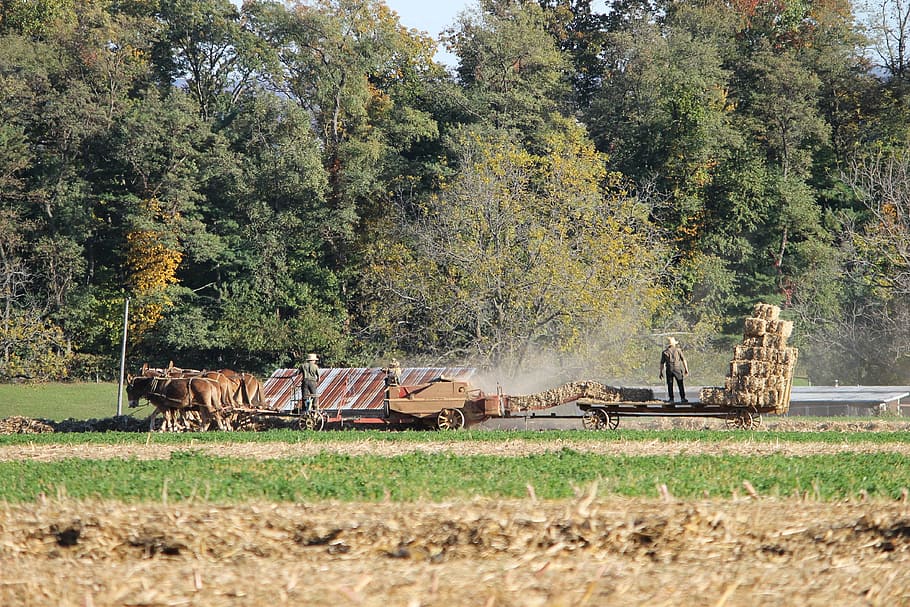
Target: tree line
{"points": [[288, 177]]}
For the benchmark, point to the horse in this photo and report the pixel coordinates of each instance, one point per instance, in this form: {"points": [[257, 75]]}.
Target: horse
{"points": [[248, 390], [169, 394]]}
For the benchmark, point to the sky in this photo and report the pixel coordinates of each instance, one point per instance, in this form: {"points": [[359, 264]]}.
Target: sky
{"points": [[432, 17]]}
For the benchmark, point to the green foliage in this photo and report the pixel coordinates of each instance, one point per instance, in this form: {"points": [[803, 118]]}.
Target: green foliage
{"points": [[523, 257], [511, 68], [189, 475], [33, 17], [282, 177]]}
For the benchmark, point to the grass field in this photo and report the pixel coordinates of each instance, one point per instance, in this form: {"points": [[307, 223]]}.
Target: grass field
{"points": [[59, 401], [436, 478]]}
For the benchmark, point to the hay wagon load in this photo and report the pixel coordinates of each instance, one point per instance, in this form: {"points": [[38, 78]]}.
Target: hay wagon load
{"points": [[759, 381]]}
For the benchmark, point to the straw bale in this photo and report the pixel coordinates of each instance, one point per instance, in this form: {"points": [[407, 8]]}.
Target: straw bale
{"points": [[750, 367], [742, 398], [778, 342], [566, 393], [712, 395], [765, 311], [781, 327], [755, 327], [752, 353], [765, 341], [754, 383], [754, 342], [788, 356]]}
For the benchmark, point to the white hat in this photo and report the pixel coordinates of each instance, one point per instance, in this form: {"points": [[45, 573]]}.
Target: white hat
{"points": [[671, 341], [311, 356]]}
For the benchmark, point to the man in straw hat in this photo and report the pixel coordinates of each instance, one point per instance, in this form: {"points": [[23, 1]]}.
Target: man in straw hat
{"points": [[310, 372], [393, 373], [673, 363]]}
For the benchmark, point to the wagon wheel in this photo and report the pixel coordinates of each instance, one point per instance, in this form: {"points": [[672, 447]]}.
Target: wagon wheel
{"points": [[313, 420], [756, 420], [612, 420], [739, 420], [591, 420], [242, 419], [450, 419]]}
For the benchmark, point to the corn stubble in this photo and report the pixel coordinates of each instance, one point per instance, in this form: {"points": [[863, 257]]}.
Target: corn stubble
{"points": [[586, 551]]}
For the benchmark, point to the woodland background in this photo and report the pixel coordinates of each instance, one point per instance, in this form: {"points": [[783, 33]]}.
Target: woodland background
{"points": [[292, 177]]}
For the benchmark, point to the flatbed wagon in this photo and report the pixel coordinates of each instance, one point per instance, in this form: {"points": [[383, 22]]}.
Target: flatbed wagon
{"points": [[599, 416]]}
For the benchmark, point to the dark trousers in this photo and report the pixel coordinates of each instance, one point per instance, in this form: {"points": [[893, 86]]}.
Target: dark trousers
{"points": [[309, 387], [679, 383]]}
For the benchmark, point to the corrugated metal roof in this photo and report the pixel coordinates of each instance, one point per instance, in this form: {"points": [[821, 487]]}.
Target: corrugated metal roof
{"points": [[870, 395], [350, 388]]}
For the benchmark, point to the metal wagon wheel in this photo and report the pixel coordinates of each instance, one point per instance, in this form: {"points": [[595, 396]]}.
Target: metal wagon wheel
{"points": [[591, 420], [450, 419], [312, 420], [756, 420], [598, 419], [739, 420]]}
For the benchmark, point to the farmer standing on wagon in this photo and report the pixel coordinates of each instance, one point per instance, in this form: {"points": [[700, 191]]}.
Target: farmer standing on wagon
{"points": [[673, 363], [310, 372]]}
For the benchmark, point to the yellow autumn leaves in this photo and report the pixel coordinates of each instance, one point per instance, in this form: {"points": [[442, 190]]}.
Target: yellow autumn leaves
{"points": [[152, 266]]}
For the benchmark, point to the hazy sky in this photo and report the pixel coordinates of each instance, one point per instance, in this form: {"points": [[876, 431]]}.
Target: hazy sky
{"points": [[432, 17]]}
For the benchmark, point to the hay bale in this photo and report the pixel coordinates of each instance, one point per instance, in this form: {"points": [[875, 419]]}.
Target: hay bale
{"points": [[752, 353], [566, 393], [766, 312], [781, 327], [712, 395], [755, 327]]}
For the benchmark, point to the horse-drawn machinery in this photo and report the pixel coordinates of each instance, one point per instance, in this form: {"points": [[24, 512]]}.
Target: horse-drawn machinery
{"points": [[758, 383]]}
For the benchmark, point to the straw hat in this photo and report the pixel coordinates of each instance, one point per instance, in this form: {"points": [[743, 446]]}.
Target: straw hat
{"points": [[394, 363], [312, 357], [671, 341]]}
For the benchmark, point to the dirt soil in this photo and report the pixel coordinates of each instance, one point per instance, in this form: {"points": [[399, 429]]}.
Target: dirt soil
{"points": [[472, 552]]}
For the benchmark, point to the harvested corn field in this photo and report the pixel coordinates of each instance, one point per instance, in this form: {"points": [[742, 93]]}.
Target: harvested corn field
{"points": [[585, 551]]}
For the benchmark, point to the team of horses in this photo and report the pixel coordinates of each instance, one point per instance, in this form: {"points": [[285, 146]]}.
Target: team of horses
{"points": [[189, 399]]}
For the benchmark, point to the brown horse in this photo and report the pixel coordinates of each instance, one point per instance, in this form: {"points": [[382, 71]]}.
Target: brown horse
{"points": [[247, 389], [170, 394], [227, 379]]}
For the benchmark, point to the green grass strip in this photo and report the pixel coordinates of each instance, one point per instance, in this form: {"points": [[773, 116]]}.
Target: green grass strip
{"points": [[435, 477], [419, 437]]}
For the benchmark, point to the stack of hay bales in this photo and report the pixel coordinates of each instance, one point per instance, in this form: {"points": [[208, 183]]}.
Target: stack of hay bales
{"points": [[564, 394], [762, 368], [576, 390]]}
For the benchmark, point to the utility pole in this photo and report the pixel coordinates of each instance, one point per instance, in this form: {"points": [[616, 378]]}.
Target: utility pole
{"points": [[126, 316]]}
